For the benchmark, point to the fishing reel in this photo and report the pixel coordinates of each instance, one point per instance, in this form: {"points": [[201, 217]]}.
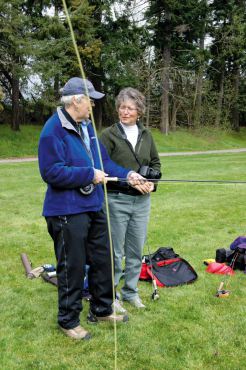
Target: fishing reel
{"points": [[149, 172], [49, 267], [87, 190]]}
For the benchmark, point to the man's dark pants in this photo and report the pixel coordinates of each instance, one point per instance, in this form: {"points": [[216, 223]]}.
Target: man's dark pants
{"points": [[80, 239]]}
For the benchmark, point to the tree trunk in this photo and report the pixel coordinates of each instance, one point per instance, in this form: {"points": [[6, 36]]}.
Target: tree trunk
{"points": [[148, 104], [147, 109], [98, 114], [173, 123], [97, 110], [220, 99], [148, 94], [235, 110], [56, 87], [198, 95], [15, 124], [164, 124]]}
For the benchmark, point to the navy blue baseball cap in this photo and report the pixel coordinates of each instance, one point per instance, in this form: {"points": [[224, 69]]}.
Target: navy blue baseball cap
{"points": [[77, 86]]}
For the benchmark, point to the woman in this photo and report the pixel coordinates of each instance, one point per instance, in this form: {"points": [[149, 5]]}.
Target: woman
{"points": [[130, 145]]}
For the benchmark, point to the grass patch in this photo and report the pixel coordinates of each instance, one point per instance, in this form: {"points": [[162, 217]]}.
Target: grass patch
{"points": [[25, 142], [202, 139], [188, 328]]}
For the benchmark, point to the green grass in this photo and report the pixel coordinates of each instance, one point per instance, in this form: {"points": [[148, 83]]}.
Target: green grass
{"points": [[24, 143], [203, 139], [188, 328]]}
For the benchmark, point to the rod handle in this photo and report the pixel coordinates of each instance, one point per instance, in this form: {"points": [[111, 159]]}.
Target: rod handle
{"points": [[112, 178], [27, 266], [221, 286], [154, 283]]}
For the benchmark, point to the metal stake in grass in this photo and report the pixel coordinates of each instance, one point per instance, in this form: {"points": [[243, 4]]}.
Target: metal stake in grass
{"points": [[154, 296]]}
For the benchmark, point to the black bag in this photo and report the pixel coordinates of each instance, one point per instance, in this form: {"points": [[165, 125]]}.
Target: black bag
{"points": [[235, 258], [167, 268], [163, 253]]}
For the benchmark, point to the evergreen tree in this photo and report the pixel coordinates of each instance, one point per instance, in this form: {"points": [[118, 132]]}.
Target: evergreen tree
{"points": [[178, 30], [122, 47], [227, 69], [14, 53]]}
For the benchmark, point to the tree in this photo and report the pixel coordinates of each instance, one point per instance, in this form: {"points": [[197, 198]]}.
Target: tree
{"points": [[228, 58], [178, 28], [1, 99], [201, 59], [123, 48], [33, 42], [14, 52]]}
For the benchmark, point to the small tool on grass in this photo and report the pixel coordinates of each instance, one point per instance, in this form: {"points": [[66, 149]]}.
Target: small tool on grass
{"points": [[222, 293]]}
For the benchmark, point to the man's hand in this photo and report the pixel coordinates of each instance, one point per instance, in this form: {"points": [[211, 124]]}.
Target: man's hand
{"points": [[99, 177]]}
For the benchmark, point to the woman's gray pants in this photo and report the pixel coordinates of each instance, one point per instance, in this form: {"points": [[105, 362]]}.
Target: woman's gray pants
{"points": [[129, 216]]}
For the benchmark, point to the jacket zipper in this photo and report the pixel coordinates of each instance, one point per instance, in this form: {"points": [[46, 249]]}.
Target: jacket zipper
{"points": [[140, 141], [89, 152]]}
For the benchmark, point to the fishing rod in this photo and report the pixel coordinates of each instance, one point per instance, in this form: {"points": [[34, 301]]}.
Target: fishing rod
{"points": [[86, 190], [118, 179]]}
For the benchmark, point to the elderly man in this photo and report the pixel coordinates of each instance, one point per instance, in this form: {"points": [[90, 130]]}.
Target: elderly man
{"points": [[69, 164]]}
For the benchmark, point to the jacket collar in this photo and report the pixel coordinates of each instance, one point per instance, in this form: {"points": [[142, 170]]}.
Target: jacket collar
{"points": [[66, 123], [118, 129]]}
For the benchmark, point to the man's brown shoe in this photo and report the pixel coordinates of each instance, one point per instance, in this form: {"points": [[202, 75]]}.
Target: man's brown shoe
{"points": [[113, 317], [93, 319], [76, 333]]}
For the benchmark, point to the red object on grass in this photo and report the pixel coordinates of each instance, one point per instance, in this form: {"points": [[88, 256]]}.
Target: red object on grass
{"points": [[220, 268]]}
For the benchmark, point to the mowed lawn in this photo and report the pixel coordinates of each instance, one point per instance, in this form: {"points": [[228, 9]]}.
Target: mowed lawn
{"points": [[24, 143], [188, 328]]}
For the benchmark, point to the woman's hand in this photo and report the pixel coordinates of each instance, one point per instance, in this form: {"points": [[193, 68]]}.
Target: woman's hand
{"points": [[145, 188], [135, 179], [140, 183]]}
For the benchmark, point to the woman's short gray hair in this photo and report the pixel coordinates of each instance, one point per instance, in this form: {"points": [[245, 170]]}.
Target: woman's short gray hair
{"points": [[129, 93], [66, 100]]}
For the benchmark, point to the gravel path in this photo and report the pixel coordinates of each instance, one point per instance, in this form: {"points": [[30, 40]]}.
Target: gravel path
{"points": [[240, 150], [16, 160], [171, 154]]}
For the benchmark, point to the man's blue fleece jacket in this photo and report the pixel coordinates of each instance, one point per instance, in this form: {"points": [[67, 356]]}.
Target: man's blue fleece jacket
{"points": [[66, 165]]}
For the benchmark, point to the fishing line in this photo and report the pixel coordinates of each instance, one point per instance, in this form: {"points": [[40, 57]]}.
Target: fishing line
{"points": [[101, 164]]}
